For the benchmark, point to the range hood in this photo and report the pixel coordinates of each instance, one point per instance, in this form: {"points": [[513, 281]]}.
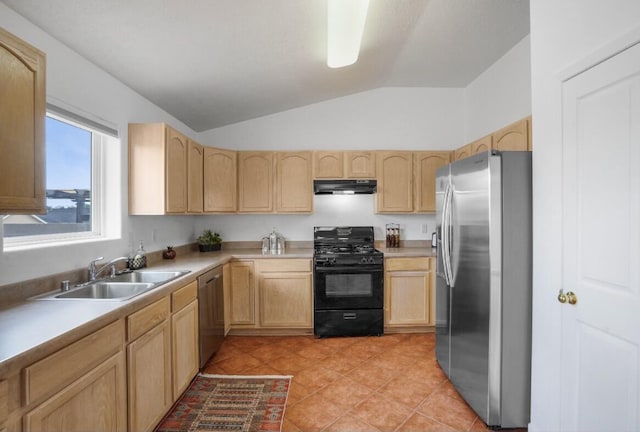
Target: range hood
{"points": [[344, 187]]}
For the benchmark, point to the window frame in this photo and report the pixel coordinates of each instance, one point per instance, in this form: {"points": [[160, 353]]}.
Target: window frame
{"points": [[99, 142]]}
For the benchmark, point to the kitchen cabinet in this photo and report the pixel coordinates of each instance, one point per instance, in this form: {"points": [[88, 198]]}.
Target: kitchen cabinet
{"points": [[482, 145], [395, 182], [195, 180], [285, 293], [409, 295], [328, 164], [294, 183], [22, 126], [184, 336], [149, 365], [424, 171], [463, 152], [255, 182], [226, 293], [65, 397], [242, 294], [220, 180], [514, 137], [157, 169], [360, 164]]}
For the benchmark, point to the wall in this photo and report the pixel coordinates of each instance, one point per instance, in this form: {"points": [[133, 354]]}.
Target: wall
{"points": [[562, 33], [385, 118], [77, 84], [500, 95]]}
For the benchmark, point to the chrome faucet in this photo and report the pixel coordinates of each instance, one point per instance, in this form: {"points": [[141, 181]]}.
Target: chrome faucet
{"points": [[94, 272]]}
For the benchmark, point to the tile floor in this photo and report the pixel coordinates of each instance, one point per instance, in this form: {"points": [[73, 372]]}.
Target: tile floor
{"points": [[388, 383]]}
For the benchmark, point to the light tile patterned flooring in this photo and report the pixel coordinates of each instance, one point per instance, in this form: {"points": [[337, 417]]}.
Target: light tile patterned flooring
{"points": [[388, 383]]}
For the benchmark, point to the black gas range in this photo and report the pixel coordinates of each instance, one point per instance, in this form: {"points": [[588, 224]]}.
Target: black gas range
{"points": [[348, 277]]}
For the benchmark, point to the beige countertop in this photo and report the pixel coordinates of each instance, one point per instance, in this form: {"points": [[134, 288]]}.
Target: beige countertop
{"points": [[33, 329]]}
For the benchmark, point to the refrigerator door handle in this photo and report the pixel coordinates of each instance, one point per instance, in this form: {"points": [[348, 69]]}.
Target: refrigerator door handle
{"points": [[446, 235]]}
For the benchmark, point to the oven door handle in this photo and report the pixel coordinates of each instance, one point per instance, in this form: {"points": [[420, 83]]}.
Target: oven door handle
{"points": [[349, 269]]}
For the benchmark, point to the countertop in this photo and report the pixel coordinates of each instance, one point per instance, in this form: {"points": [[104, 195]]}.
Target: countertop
{"points": [[33, 329]]}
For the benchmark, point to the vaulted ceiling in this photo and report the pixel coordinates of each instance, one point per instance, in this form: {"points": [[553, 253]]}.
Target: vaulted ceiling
{"points": [[211, 63]]}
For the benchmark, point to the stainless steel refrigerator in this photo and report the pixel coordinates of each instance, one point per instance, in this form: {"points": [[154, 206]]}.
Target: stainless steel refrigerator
{"points": [[483, 283]]}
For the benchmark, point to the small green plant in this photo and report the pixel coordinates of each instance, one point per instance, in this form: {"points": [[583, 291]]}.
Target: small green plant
{"points": [[209, 237]]}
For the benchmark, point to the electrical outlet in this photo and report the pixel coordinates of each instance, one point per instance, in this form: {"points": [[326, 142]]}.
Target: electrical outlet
{"points": [[154, 235], [425, 228]]}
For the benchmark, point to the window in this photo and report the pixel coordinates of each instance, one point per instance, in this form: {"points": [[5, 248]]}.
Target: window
{"points": [[75, 157]]}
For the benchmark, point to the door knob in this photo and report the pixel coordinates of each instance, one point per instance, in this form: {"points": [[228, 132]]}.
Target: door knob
{"points": [[569, 297]]}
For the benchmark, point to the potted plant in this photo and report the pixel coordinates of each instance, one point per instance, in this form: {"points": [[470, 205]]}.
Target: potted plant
{"points": [[209, 241]]}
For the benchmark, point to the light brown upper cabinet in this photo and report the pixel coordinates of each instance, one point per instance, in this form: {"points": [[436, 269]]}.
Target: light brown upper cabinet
{"points": [[22, 126], [514, 137], [360, 164], [220, 180], [482, 145], [157, 169], [328, 164], [255, 182], [195, 177], [395, 177], [294, 184], [462, 152], [425, 166]]}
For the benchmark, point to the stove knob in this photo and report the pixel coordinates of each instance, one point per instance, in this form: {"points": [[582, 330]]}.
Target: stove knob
{"points": [[363, 260], [333, 260], [371, 260]]}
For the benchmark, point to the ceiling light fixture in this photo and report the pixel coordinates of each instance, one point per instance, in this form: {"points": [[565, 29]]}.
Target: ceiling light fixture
{"points": [[346, 20]]}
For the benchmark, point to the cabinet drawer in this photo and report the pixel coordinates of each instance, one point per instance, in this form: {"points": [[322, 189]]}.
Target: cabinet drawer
{"points": [[416, 263], [4, 400], [183, 296], [145, 319], [283, 265], [60, 369]]}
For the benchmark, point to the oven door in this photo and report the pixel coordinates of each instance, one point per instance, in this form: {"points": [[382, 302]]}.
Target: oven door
{"points": [[348, 287]]}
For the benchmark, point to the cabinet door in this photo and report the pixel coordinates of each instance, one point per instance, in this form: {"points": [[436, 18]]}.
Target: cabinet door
{"points": [[360, 164], [22, 124], [195, 177], [255, 182], [463, 152], [184, 327], [328, 164], [407, 298], [294, 184], [176, 172], [242, 295], [514, 137], [96, 401], [482, 145], [220, 180], [426, 165], [286, 300], [149, 368], [395, 189]]}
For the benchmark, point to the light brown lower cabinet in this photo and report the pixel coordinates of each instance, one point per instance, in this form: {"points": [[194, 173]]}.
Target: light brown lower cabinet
{"points": [[149, 367], [184, 329], [242, 294], [95, 402], [286, 300], [408, 294]]}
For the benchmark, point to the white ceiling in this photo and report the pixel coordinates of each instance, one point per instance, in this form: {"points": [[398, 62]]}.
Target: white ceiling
{"points": [[215, 62]]}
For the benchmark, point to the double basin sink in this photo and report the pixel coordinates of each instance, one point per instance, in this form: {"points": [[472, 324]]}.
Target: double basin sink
{"points": [[119, 288]]}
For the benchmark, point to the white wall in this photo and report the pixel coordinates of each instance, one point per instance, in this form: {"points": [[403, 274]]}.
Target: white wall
{"points": [[562, 33], [385, 118], [76, 83], [500, 95]]}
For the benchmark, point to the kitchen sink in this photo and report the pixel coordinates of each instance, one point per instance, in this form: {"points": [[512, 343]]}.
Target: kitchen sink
{"points": [[147, 276], [107, 291], [117, 288]]}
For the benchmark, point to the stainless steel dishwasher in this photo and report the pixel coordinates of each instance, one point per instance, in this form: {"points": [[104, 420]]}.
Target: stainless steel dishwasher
{"points": [[211, 313]]}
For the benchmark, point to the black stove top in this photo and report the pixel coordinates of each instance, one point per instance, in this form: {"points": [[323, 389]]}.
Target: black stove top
{"points": [[345, 245]]}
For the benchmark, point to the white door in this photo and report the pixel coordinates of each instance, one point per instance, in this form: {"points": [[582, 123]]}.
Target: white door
{"points": [[601, 247]]}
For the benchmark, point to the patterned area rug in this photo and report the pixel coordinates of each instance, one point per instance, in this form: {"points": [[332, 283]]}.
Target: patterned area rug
{"points": [[230, 403]]}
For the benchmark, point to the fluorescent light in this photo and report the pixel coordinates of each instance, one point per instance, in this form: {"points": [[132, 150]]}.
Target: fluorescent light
{"points": [[345, 28], [344, 192]]}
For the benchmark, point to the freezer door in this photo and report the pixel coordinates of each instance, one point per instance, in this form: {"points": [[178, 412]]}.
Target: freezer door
{"points": [[442, 289], [474, 232]]}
